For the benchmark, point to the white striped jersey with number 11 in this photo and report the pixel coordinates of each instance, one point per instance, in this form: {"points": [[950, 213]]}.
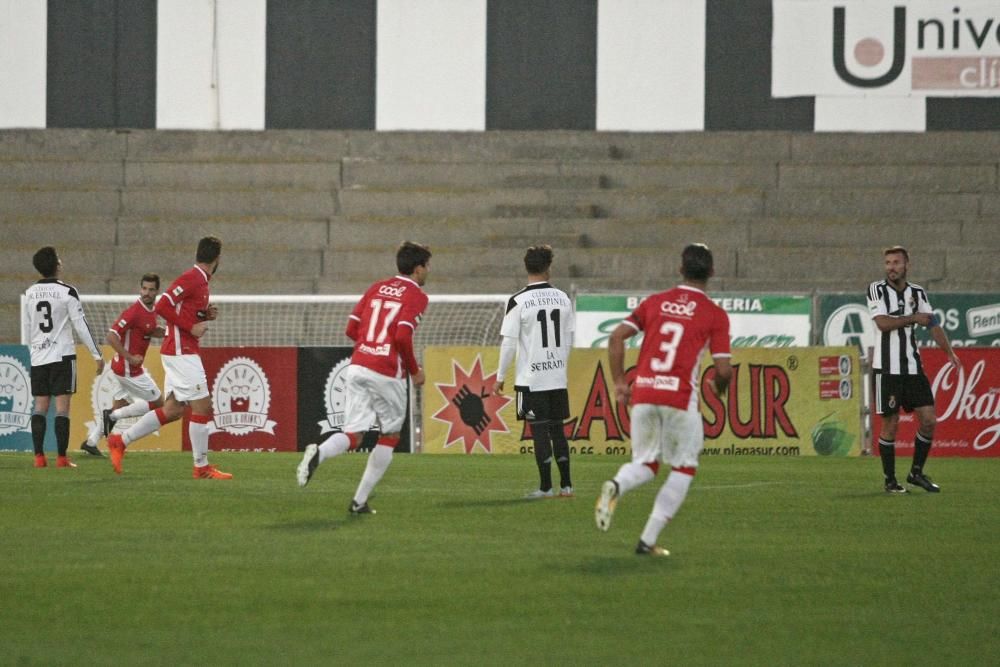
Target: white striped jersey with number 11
{"points": [[541, 318]]}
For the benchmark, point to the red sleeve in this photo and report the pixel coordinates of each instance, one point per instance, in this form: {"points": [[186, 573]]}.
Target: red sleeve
{"points": [[404, 344], [122, 324], [637, 317], [353, 328], [166, 306], [719, 343]]}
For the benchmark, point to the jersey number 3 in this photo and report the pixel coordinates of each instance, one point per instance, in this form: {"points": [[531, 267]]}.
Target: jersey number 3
{"points": [[379, 307], [671, 333], [45, 308]]}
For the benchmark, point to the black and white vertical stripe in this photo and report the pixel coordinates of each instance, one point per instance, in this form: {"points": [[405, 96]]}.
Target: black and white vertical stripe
{"points": [[896, 351], [628, 65]]}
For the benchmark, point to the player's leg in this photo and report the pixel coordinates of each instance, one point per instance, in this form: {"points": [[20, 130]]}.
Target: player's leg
{"points": [[359, 416], [646, 430], [559, 406], [543, 458], [198, 432], [887, 405], [923, 405], [388, 399], [683, 439], [61, 423], [38, 422]]}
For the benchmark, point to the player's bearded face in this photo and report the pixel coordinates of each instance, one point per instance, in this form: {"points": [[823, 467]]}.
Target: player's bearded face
{"points": [[895, 267], [215, 267], [147, 292]]}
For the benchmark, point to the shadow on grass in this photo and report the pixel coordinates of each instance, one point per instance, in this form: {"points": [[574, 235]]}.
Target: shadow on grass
{"points": [[314, 525], [494, 502], [626, 565]]}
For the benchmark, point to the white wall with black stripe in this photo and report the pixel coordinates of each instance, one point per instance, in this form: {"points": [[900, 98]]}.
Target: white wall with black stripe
{"points": [[633, 65]]}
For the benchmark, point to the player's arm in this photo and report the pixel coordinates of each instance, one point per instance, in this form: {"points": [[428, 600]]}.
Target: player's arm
{"points": [[114, 341], [409, 318], [508, 350], [723, 374], [166, 307], [79, 321], [936, 332], [719, 346], [616, 357], [893, 322]]}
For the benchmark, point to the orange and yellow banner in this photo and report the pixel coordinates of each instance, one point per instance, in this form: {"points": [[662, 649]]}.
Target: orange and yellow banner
{"points": [[782, 401]]}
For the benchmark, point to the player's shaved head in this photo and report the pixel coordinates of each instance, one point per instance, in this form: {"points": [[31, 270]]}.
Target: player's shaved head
{"points": [[538, 259], [697, 262]]}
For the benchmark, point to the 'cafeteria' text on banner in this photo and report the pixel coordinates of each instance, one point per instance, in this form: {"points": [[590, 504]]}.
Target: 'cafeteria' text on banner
{"points": [[782, 402]]}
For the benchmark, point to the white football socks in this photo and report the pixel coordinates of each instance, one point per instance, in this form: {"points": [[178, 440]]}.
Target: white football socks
{"points": [[95, 433], [136, 409], [148, 423], [198, 433], [668, 501], [378, 463], [335, 445], [632, 475]]}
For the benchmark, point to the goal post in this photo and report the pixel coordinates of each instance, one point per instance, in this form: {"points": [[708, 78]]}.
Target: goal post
{"points": [[320, 320]]}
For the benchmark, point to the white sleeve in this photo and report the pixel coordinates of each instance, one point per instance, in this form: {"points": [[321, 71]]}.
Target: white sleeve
{"points": [[25, 324], [511, 325], [876, 304], [924, 305], [83, 333], [508, 348]]}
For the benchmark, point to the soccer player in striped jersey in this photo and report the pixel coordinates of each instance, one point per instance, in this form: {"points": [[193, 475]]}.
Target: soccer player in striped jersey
{"points": [[129, 337], [52, 312], [186, 308], [538, 329], [382, 326], [678, 326], [898, 307]]}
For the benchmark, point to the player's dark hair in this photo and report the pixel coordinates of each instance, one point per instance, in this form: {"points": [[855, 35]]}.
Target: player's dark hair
{"points": [[696, 262], [46, 261], [897, 249], [150, 278], [209, 249], [538, 259], [411, 255]]}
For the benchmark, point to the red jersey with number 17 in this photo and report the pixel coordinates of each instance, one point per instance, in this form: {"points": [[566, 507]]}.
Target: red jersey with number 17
{"points": [[187, 298], [386, 306], [678, 325], [133, 328]]}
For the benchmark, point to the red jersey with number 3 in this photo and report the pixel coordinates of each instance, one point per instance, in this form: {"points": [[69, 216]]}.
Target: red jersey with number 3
{"points": [[677, 325], [188, 298], [133, 327], [386, 306]]}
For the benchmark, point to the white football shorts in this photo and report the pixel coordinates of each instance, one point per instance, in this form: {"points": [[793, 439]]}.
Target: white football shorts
{"points": [[140, 387], [184, 377], [373, 399], [663, 433]]}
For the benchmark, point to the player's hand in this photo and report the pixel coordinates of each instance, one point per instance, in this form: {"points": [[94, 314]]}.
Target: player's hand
{"points": [[418, 378], [199, 329], [158, 332], [100, 366], [498, 388], [623, 392], [953, 358], [212, 312], [923, 319], [714, 386], [134, 359]]}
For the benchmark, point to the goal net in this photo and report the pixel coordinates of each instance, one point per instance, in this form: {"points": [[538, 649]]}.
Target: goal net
{"points": [[320, 320]]}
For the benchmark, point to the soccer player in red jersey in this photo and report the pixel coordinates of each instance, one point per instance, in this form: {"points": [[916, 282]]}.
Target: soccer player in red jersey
{"points": [[185, 307], [381, 325], [666, 424], [129, 337]]}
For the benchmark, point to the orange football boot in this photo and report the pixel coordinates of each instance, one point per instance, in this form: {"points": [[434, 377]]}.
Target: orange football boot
{"points": [[116, 448], [210, 472], [64, 462], [40, 461]]}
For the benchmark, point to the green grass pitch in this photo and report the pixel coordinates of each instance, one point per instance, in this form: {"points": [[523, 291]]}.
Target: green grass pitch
{"points": [[775, 561]]}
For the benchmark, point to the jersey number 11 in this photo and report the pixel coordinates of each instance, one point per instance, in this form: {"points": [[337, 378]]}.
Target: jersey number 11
{"points": [[543, 320]]}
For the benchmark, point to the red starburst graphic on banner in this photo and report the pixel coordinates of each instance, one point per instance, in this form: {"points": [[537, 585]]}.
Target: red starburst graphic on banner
{"points": [[470, 410]]}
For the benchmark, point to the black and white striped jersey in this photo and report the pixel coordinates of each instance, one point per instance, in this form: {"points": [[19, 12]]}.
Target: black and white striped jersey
{"points": [[52, 309], [896, 351]]}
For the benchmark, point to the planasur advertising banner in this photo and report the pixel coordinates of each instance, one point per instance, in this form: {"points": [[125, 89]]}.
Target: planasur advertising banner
{"points": [[783, 402], [755, 320], [860, 48], [966, 403]]}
